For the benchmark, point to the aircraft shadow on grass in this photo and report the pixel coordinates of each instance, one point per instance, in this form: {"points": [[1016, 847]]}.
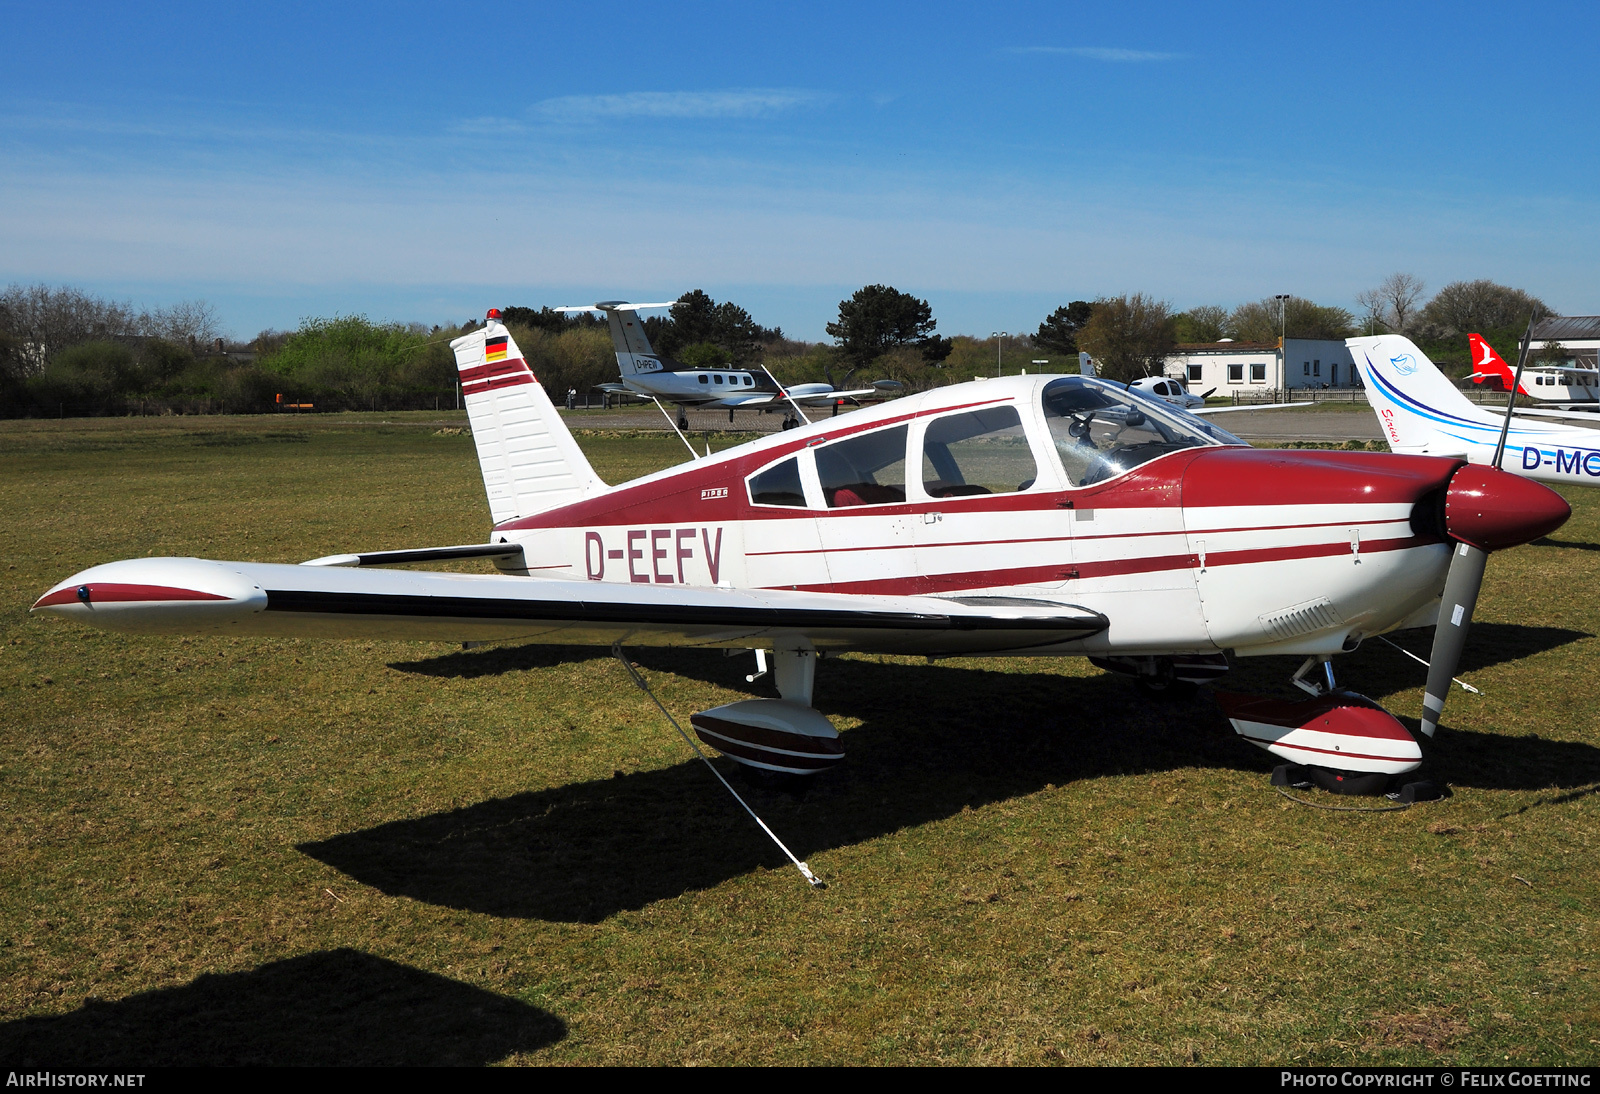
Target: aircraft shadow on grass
{"points": [[336, 1007], [1571, 545], [933, 739], [497, 660]]}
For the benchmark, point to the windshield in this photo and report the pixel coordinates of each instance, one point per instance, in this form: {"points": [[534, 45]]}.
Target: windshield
{"points": [[1101, 429]]}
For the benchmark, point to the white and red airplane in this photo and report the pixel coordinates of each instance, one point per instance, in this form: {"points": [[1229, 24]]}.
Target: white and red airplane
{"points": [[1028, 516], [1570, 387]]}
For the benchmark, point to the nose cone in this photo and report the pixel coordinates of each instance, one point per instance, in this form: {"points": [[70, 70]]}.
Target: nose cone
{"points": [[1491, 509]]}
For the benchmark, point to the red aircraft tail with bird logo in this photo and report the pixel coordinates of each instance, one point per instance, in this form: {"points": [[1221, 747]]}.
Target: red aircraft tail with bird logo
{"points": [[1486, 364]]}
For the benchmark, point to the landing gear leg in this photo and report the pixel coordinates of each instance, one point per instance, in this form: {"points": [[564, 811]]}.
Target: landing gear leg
{"points": [[683, 421]]}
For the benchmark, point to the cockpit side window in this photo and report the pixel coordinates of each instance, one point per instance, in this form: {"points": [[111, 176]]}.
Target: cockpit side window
{"points": [[1101, 429], [778, 485], [979, 452], [869, 469]]}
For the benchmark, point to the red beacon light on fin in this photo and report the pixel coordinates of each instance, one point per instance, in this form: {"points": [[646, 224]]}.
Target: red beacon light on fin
{"points": [[494, 313]]}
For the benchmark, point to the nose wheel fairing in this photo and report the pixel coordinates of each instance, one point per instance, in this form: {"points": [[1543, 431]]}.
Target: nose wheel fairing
{"points": [[1341, 730]]}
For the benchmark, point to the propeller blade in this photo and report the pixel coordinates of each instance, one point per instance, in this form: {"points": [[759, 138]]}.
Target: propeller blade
{"points": [[1461, 587], [1484, 510]]}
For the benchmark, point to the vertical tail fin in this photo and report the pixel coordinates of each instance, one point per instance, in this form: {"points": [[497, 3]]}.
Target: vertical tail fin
{"points": [[529, 460], [634, 354], [1419, 409], [1486, 363]]}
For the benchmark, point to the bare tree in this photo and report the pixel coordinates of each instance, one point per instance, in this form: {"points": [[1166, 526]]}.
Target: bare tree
{"points": [[185, 320], [44, 320], [1394, 303]]}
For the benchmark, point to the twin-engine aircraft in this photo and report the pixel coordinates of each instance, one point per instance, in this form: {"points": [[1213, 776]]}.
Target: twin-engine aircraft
{"points": [[645, 372], [1423, 413], [1025, 516]]}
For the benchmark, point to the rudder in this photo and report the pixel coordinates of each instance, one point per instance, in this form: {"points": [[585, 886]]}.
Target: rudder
{"points": [[1417, 406], [528, 457]]}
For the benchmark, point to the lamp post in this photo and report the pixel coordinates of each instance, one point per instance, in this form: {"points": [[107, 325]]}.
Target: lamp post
{"points": [[1283, 353], [1002, 335]]}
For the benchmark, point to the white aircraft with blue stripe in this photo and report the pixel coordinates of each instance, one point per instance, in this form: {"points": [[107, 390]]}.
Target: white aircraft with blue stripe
{"points": [[1423, 413]]}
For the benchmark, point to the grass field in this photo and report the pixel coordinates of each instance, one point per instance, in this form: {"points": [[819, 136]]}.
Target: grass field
{"points": [[276, 851]]}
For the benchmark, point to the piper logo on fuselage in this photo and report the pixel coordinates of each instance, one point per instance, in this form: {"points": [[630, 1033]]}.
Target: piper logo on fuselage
{"points": [[1566, 462], [664, 556], [711, 493]]}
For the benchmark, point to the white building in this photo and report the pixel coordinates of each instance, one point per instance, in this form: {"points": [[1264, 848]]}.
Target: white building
{"points": [[1230, 366], [1579, 334]]}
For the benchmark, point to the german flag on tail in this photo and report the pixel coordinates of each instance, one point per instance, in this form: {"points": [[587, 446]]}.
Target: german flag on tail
{"points": [[495, 349]]}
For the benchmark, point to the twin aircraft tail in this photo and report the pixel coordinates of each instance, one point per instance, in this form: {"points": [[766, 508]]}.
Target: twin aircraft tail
{"points": [[1420, 410], [529, 460]]}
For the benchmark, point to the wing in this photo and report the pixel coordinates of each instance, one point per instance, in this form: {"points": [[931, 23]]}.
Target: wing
{"points": [[1206, 410], [1589, 417], [827, 398], [201, 596]]}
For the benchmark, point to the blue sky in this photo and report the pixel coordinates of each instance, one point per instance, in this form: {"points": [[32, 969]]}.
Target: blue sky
{"points": [[427, 161]]}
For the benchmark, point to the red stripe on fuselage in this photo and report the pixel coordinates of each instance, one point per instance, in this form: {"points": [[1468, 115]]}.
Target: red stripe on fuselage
{"points": [[1077, 538], [1027, 575]]}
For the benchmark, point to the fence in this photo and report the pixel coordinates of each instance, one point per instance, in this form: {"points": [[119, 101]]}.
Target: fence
{"points": [[1355, 395]]}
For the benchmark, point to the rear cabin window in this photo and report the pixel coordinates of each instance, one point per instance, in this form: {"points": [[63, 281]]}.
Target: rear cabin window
{"points": [[704, 379], [778, 485], [865, 470], [980, 452]]}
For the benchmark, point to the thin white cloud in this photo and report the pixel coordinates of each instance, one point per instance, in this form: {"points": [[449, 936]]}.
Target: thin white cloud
{"points": [[487, 127], [1102, 53], [733, 103]]}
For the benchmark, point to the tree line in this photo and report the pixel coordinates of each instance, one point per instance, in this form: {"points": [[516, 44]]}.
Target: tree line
{"points": [[61, 348], [1131, 336]]}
